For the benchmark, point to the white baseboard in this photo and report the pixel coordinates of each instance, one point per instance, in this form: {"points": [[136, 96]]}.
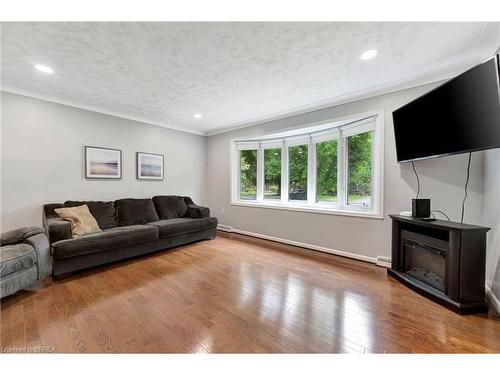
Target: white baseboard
{"points": [[224, 228], [384, 261], [227, 228], [493, 300]]}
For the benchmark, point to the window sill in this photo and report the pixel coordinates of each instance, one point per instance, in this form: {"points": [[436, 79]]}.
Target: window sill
{"points": [[319, 209]]}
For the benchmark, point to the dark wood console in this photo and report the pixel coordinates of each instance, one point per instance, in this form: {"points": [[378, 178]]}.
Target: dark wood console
{"points": [[442, 260]]}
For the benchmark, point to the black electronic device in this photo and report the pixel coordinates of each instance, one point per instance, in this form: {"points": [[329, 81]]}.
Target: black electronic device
{"points": [[421, 208], [461, 115]]}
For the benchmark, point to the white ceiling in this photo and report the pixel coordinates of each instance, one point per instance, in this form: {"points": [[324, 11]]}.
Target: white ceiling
{"points": [[234, 74]]}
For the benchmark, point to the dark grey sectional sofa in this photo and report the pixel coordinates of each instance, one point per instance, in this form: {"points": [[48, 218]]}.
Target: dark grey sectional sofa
{"points": [[130, 227]]}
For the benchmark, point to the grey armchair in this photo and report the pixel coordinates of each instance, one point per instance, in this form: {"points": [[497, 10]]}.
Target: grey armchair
{"points": [[24, 259]]}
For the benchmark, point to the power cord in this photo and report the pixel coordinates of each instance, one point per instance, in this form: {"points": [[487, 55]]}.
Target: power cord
{"points": [[418, 180], [465, 189], [442, 213], [418, 192]]}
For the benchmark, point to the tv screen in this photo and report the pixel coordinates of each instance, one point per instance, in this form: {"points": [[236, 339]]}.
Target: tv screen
{"points": [[461, 115]]}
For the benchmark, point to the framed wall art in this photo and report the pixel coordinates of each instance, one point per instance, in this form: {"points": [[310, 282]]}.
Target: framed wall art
{"points": [[103, 163], [149, 166]]}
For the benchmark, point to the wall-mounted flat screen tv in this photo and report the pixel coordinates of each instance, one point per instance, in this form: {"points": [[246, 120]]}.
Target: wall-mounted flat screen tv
{"points": [[462, 115]]}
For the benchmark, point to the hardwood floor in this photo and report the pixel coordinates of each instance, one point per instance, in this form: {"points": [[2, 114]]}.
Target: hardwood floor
{"points": [[239, 294]]}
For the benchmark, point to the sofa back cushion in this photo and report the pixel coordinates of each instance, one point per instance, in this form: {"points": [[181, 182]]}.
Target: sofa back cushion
{"points": [[104, 212], [82, 221], [170, 206], [131, 211]]}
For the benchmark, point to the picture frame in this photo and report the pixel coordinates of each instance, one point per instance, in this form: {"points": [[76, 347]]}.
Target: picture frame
{"points": [[150, 166], [103, 163]]}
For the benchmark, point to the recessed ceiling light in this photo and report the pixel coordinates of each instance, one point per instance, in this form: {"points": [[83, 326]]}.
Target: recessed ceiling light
{"points": [[197, 116], [44, 69], [370, 54]]}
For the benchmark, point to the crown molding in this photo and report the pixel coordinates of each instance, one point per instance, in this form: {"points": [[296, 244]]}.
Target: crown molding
{"points": [[394, 86], [17, 91]]}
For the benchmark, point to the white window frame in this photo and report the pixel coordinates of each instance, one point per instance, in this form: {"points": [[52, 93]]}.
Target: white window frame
{"points": [[334, 129], [271, 145], [250, 146]]}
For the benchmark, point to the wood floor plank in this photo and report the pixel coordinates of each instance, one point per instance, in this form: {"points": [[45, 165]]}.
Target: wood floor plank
{"points": [[239, 294]]}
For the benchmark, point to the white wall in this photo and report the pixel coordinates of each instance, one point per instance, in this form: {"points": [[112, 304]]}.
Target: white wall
{"points": [[442, 180], [42, 158], [491, 218]]}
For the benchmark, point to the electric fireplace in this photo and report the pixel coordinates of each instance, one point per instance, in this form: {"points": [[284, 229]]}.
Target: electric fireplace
{"points": [[445, 261]]}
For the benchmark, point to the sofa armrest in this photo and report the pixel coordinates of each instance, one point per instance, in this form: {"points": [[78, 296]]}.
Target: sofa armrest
{"points": [[41, 245], [197, 212], [18, 235], [57, 229], [194, 211]]}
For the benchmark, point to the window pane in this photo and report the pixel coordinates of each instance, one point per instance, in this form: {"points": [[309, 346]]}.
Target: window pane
{"points": [[326, 171], [248, 174], [297, 172], [360, 170], [272, 173]]}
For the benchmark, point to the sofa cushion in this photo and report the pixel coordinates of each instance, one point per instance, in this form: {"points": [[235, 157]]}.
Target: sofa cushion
{"points": [[174, 227], [135, 211], [108, 239], [104, 212], [82, 221], [170, 206], [16, 258]]}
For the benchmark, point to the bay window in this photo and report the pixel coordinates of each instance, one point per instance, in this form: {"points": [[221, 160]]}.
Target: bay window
{"points": [[332, 167]]}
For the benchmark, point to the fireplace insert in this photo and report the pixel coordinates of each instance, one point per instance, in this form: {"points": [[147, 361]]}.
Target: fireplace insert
{"points": [[425, 259]]}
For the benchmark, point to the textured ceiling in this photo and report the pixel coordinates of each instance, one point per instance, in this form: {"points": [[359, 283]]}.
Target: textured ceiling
{"points": [[232, 73]]}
